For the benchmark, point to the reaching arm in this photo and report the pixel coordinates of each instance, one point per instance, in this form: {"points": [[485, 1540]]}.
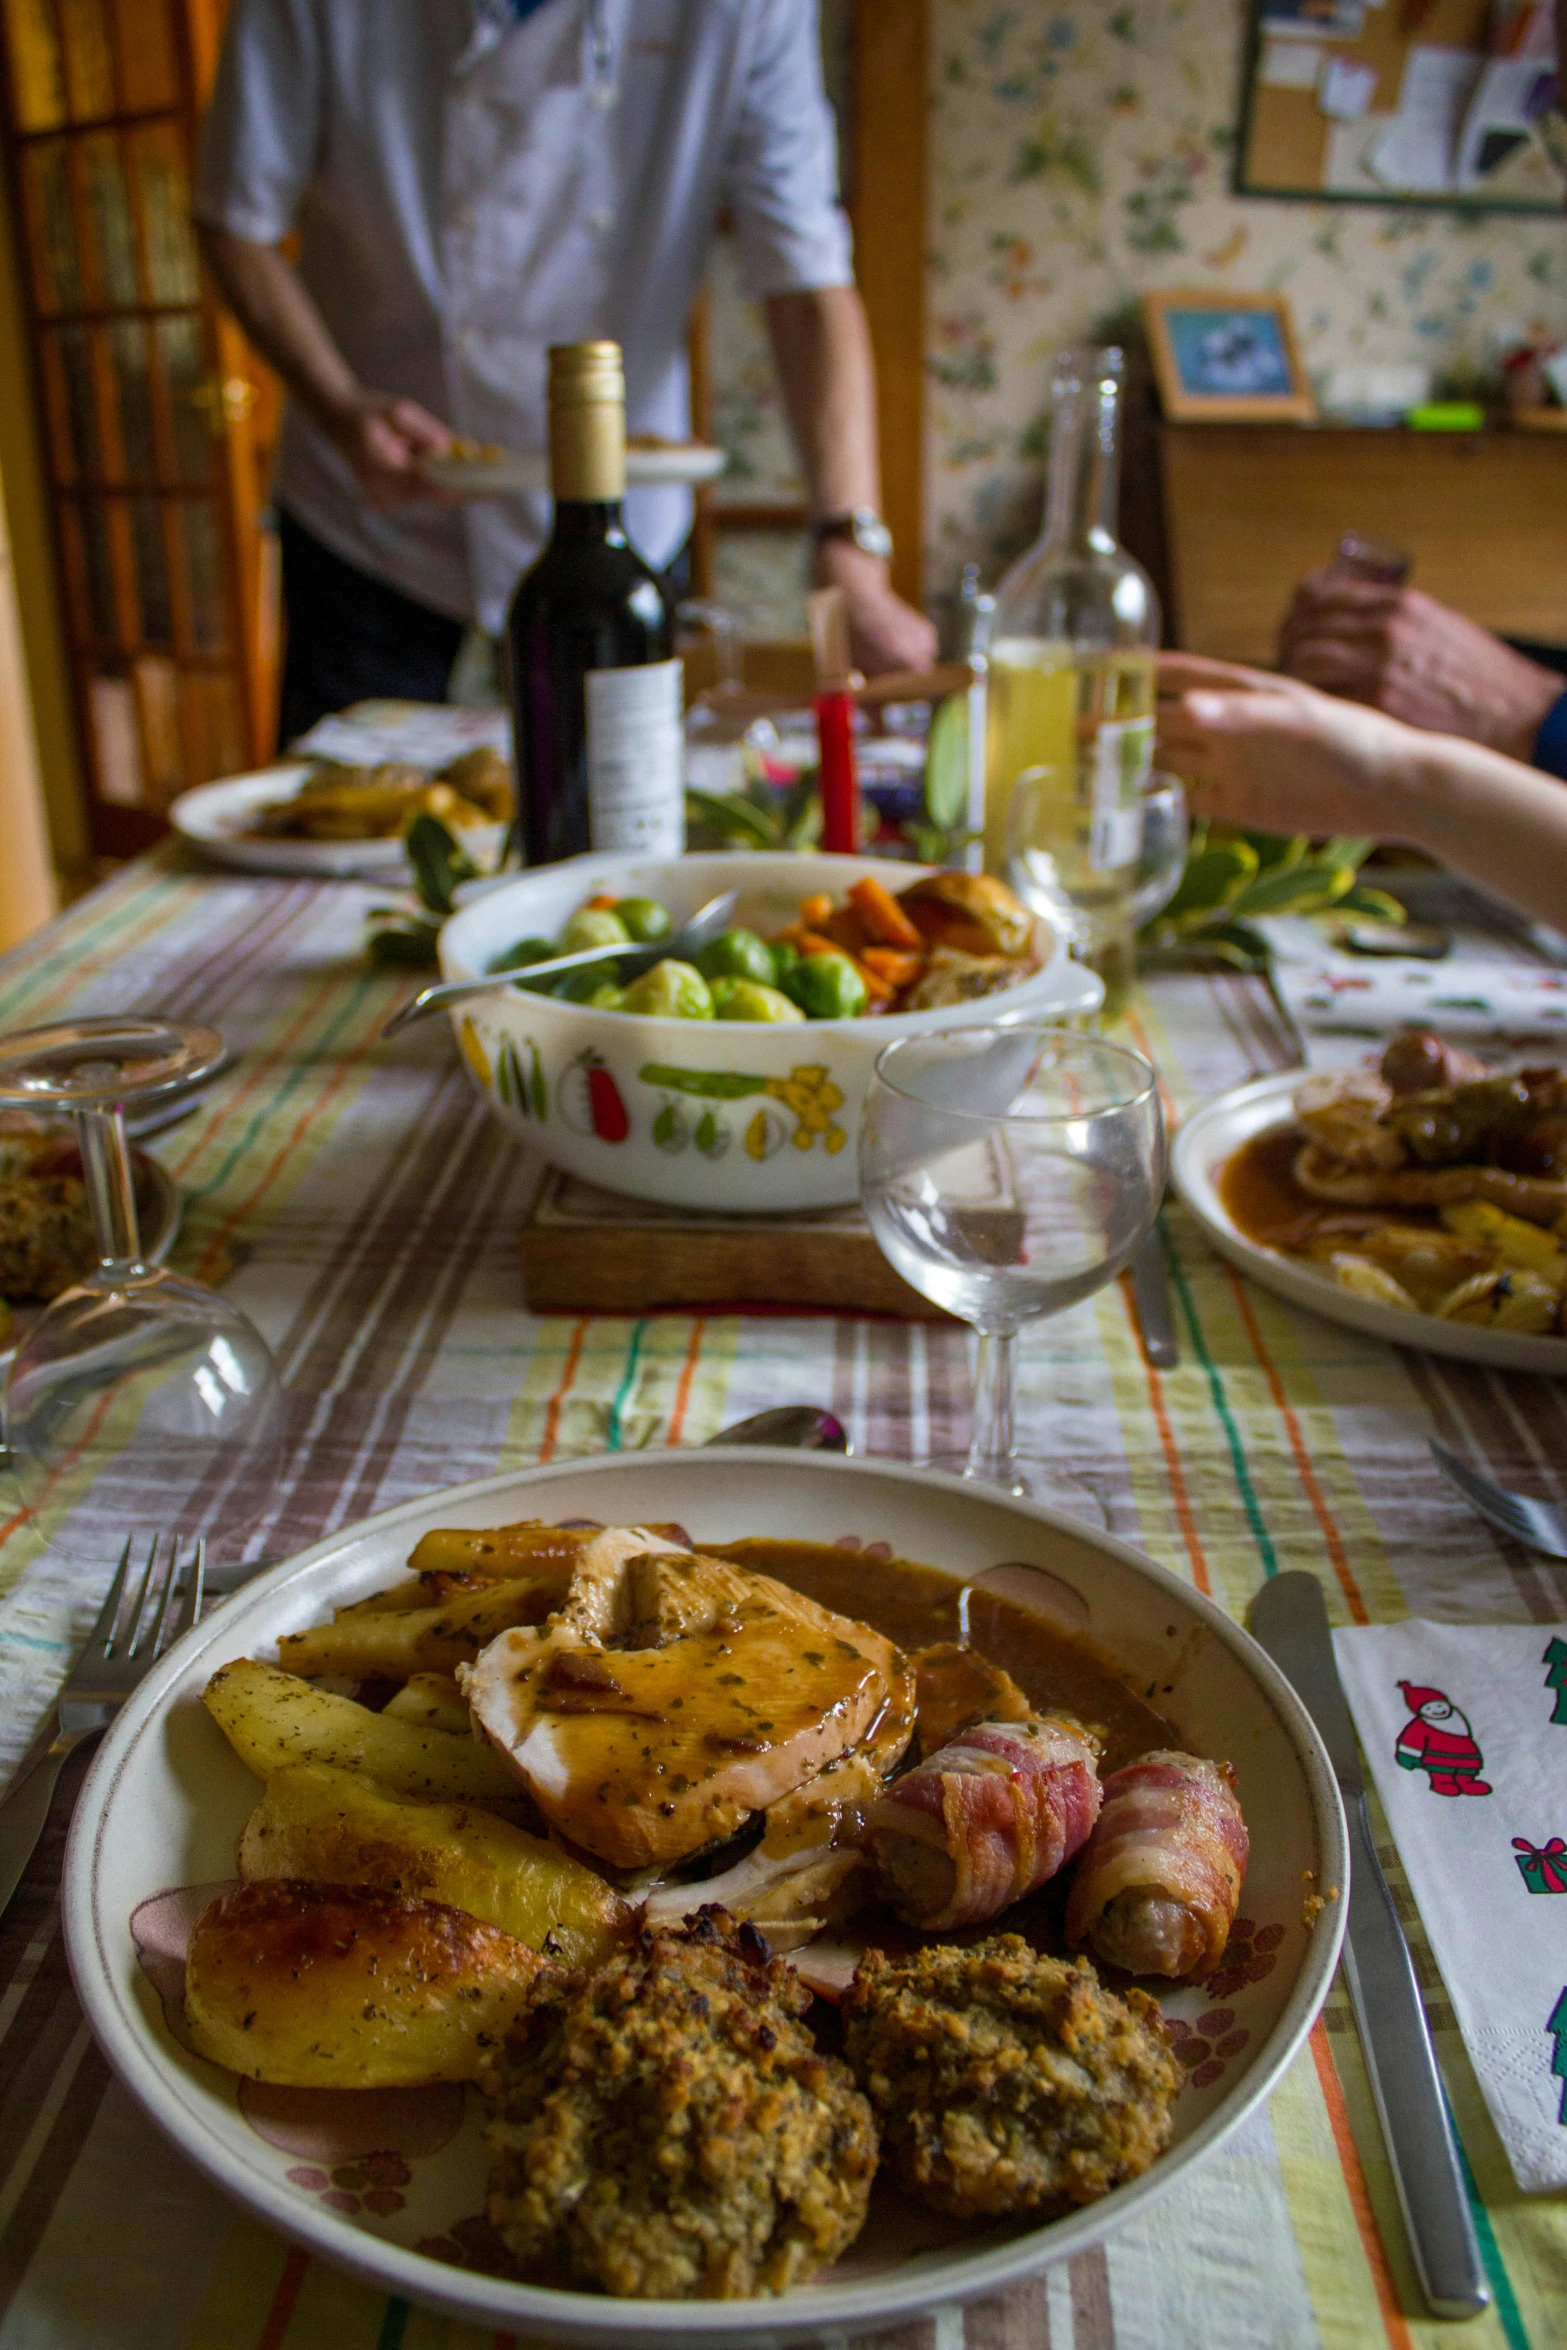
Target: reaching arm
{"points": [[822, 348], [381, 436], [1270, 752]]}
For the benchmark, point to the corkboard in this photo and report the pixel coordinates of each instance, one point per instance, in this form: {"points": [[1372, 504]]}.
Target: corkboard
{"points": [[1284, 147]]}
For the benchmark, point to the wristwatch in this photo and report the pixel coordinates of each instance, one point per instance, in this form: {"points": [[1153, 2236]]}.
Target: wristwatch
{"points": [[862, 526]]}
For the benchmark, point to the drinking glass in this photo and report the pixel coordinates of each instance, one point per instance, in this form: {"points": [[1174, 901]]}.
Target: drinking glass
{"points": [[1099, 883], [1007, 1172], [139, 1401]]}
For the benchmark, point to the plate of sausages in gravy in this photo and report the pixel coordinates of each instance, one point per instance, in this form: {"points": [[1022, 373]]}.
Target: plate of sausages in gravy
{"points": [[706, 1894]]}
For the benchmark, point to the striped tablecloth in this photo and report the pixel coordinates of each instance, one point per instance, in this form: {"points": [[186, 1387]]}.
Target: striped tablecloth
{"points": [[363, 1207]]}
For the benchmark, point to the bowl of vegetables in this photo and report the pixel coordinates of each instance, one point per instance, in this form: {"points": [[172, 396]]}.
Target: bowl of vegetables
{"points": [[735, 1081]]}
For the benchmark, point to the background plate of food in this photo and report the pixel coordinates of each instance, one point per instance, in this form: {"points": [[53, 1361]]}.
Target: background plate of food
{"points": [[468, 2024], [483, 469], [321, 818], [46, 1227], [1408, 1212]]}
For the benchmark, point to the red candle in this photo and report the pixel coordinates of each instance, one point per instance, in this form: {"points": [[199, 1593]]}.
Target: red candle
{"points": [[839, 783]]}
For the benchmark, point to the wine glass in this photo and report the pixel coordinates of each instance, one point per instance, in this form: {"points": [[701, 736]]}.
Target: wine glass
{"points": [[1007, 1172], [139, 1401], [1098, 873]]}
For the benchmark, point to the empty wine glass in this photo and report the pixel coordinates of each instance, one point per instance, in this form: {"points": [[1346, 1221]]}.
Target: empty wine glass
{"points": [[1007, 1172], [1098, 875], [139, 1401]]}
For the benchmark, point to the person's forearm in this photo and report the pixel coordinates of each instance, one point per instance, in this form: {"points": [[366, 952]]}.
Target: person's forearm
{"points": [[263, 289], [822, 349], [1502, 824]]}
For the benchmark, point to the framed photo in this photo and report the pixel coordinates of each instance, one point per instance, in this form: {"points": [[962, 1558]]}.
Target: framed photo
{"points": [[1233, 357]]}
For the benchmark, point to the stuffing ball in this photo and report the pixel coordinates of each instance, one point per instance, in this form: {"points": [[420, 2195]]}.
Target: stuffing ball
{"points": [[666, 2128], [1005, 2081]]}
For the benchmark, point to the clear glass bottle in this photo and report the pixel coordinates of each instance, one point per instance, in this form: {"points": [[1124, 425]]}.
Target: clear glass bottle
{"points": [[1070, 688]]}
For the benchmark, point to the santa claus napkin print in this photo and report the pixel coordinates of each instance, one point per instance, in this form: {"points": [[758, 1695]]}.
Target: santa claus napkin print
{"points": [[1465, 1729]]}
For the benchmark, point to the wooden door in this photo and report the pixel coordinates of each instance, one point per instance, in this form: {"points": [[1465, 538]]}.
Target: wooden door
{"points": [[153, 413]]}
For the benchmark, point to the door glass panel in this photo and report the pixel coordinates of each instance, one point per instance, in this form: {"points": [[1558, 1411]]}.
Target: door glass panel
{"points": [[76, 362], [99, 566], [57, 408], [185, 369], [89, 73], [163, 188], [51, 223], [116, 741], [37, 74], [204, 568], [127, 342], [144, 47], [212, 724], [111, 215], [152, 580]]}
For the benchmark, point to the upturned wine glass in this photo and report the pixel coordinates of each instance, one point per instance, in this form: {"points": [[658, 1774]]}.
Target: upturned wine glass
{"points": [[1007, 1172], [139, 1401]]}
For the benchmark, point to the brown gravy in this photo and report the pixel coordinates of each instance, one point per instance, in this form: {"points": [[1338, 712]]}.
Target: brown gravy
{"points": [[916, 1605], [1262, 1199]]}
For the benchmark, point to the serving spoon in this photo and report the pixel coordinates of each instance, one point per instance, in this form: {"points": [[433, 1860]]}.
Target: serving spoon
{"points": [[704, 925]]}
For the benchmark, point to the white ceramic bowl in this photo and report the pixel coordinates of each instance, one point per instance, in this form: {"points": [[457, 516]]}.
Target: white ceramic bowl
{"points": [[726, 1114], [166, 1798]]}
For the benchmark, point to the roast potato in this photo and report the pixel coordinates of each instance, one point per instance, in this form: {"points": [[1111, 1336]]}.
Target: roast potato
{"points": [[338, 1828], [389, 1644], [434, 1702], [339, 1987], [272, 1719], [972, 912]]}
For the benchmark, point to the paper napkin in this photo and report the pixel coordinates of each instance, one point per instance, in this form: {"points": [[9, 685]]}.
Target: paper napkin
{"points": [[1459, 997], [1465, 1730]]}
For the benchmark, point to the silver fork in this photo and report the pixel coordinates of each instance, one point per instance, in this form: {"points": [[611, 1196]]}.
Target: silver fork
{"points": [[1540, 1524], [122, 1648]]}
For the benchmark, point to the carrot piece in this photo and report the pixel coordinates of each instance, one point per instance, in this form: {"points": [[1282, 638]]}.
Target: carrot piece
{"points": [[881, 916], [876, 987], [604, 903], [897, 969], [815, 909], [846, 927], [811, 942]]}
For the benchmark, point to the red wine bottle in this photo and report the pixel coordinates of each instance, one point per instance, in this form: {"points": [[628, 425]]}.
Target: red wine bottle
{"points": [[596, 691]]}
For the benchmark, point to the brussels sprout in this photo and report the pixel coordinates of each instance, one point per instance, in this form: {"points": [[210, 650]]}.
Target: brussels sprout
{"points": [[826, 987], [596, 986], [786, 958], [749, 999], [526, 951], [593, 926], [670, 991], [645, 919], [736, 954]]}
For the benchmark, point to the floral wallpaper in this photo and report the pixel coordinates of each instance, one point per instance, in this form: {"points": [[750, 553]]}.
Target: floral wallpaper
{"points": [[1081, 152]]}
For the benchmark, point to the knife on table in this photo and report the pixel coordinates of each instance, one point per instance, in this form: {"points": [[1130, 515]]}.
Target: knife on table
{"points": [[1290, 1620], [1151, 1288]]}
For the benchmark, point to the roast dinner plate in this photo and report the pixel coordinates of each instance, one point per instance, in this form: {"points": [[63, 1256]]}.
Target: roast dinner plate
{"points": [[1207, 1141], [393, 2192], [216, 819]]}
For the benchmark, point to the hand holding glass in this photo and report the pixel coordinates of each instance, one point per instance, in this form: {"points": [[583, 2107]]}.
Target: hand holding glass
{"points": [[1007, 1172]]}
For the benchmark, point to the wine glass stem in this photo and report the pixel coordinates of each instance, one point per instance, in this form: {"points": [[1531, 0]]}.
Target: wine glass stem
{"points": [[106, 1165], [990, 1448]]}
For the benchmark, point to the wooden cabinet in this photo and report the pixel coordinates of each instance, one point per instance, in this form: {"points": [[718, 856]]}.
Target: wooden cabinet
{"points": [[154, 417], [1249, 508]]}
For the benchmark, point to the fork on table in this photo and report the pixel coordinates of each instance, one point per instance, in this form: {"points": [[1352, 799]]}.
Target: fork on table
{"points": [[1540, 1524], [122, 1648]]}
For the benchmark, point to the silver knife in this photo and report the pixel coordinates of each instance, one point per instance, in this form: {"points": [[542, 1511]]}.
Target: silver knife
{"points": [[1290, 1620], [1151, 1288]]}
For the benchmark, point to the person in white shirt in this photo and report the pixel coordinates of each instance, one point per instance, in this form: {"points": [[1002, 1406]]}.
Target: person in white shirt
{"points": [[472, 181]]}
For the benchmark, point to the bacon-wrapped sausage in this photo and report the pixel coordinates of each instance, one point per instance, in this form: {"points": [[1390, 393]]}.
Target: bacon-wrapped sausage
{"points": [[993, 1814], [1156, 1890]]}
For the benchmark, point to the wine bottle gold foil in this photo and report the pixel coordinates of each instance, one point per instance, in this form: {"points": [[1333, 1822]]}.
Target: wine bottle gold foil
{"points": [[587, 396]]}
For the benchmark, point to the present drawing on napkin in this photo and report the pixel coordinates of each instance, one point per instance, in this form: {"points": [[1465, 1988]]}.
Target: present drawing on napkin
{"points": [[1450, 1710]]}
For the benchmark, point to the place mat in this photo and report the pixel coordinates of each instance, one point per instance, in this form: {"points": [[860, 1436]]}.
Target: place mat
{"points": [[1465, 1729], [361, 1202], [1489, 992]]}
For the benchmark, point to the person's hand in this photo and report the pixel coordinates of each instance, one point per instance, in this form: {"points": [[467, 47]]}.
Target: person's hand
{"points": [[1273, 754], [386, 440], [884, 632], [1404, 653]]}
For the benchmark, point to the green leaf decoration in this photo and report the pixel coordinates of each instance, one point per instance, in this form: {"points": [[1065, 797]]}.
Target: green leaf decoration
{"points": [[803, 814], [439, 861], [947, 764], [1275, 849], [1294, 889], [401, 942], [1346, 852], [734, 817], [1375, 904], [719, 1085], [1218, 873]]}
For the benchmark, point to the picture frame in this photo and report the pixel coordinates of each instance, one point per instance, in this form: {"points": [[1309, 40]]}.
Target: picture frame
{"points": [[1220, 357]]}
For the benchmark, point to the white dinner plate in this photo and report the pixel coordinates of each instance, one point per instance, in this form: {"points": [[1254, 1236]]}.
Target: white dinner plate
{"points": [[514, 472], [166, 1798], [1212, 1135], [159, 1207], [215, 818]]}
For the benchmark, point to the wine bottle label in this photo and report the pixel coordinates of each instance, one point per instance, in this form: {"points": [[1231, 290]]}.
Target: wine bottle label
{"points": [[1122, 759], [636, 759]]}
